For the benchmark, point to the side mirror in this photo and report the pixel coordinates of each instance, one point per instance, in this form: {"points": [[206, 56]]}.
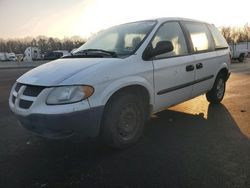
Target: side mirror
{"points": [[161, 48]]}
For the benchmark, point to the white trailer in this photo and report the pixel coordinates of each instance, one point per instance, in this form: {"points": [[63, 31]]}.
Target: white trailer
{"points": [[32, 53]]}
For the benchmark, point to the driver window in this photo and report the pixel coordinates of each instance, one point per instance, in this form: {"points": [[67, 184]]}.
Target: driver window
{"points": [[171, 31]]}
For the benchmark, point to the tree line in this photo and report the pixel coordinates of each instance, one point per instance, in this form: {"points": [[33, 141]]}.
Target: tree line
{"points": [[45, 44], [233, 35]]}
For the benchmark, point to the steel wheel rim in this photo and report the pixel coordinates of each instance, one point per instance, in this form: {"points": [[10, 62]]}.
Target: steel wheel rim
{"points": [[129, 121], [220, 88]]}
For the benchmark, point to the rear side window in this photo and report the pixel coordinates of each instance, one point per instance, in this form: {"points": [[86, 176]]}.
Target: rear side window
{"points": [[219, 40], [200, 36]]}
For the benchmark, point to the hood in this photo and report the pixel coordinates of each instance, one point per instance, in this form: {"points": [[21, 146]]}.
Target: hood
{"points": [[55, 72]]}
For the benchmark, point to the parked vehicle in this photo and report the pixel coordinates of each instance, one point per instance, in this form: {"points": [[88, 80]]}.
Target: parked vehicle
{"points": [[32, 53], [52, 55], [110, 85], [5, 56], [239, 51], [64, 52], [55, 54], [11, 56]]}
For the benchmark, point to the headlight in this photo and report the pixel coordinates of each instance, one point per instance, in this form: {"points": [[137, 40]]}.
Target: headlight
{"points": [[69, 94]]}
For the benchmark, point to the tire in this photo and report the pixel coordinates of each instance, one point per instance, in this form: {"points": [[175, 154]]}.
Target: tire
{"points": [[241, 58], [123, 121], [216, 94]]}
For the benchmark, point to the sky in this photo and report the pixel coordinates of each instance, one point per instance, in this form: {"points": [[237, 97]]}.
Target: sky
{"points": [[66, 18]]}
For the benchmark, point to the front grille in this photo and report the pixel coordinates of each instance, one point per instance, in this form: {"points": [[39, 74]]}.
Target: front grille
{"points": [[29, 91], [18, 86], [13, 99], [33, 91], [25, 104]]}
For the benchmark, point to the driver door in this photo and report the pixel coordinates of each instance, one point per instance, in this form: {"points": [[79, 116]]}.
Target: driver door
{"points": [[174, 71]]}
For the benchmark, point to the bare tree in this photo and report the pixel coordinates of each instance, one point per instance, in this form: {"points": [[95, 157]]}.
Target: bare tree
{"points": [[236, 34], [246, 31], [227, 33]]}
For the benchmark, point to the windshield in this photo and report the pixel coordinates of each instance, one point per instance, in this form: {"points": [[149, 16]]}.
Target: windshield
{"points": [[120, 40]]}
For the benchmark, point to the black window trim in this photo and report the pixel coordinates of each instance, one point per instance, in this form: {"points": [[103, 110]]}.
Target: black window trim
{"points": [[146, 36], [221, 48], [215, 48]]}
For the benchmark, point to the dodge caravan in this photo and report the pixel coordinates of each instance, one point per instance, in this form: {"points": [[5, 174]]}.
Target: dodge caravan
{"points": [[109, 86]]}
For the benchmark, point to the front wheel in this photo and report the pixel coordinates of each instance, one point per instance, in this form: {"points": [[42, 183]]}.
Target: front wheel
{"points": [[123, 121], [216, 94]]}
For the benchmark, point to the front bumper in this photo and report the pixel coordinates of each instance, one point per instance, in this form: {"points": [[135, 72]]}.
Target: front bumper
{"points": [[28, 103], [84, 123]]}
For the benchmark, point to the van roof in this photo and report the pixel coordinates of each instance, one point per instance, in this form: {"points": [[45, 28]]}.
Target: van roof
{"points": [[164, 19]]}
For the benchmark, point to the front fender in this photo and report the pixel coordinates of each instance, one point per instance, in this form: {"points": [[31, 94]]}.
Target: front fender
{"points": [[116, 85]]}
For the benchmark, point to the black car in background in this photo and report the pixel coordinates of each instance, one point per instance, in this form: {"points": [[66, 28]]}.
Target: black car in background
{"points": [[52, 55]]}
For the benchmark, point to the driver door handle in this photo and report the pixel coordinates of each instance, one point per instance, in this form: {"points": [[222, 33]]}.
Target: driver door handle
{"points": [[189, 68]]}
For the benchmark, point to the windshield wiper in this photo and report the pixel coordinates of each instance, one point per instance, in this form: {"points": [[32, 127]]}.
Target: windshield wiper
{"points": [[98, 51]]}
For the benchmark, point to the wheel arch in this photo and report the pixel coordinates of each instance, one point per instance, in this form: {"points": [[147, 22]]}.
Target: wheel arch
{"points": [[125, 84], [138, 85], [224, 71], [135, 88]]}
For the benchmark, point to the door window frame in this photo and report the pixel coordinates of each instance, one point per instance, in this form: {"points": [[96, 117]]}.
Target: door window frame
{"points": [[186, 39]]}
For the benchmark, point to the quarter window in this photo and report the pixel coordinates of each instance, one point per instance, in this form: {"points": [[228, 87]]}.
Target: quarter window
{"points": [[219, 40], [200, 37], [171, 31]]}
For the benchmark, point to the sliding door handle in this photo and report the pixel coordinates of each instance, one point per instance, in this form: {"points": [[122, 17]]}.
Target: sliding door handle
{"points": [[199, 66]]}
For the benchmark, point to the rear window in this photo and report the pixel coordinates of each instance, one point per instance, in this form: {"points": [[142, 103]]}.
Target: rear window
{"points": [[200, 36], [219, 40]]}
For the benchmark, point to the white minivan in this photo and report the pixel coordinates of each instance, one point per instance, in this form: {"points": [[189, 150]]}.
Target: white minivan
{"points": [[109, 86]]}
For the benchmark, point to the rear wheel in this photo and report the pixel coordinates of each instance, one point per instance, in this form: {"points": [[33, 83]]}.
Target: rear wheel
{"points": [[216, 94], [123, 121], [241, 58]]}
